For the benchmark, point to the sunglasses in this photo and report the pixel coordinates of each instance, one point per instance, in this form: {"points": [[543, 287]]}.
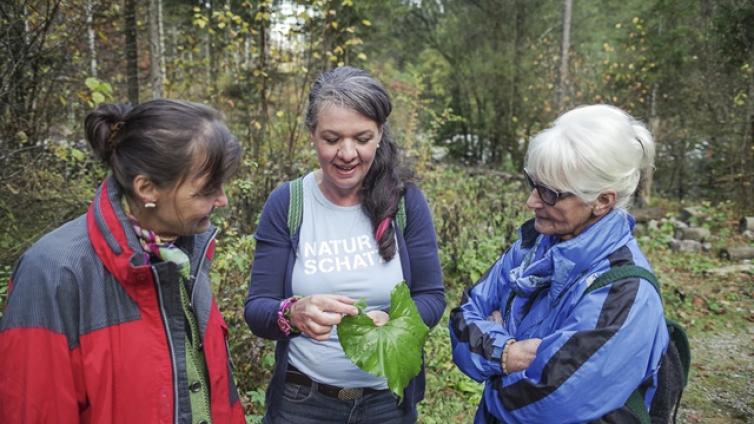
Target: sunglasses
{"points": [[548, 195]]}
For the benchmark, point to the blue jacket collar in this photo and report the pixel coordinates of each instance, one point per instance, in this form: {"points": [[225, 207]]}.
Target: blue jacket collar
{"points": [[562, 263]]}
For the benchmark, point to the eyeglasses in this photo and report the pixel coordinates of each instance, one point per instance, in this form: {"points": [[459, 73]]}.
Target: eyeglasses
{"points": [[548, 195]]}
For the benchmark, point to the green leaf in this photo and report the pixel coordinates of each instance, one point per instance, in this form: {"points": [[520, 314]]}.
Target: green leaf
{"points": [[394, 350], [97, 97], [92, 83]]}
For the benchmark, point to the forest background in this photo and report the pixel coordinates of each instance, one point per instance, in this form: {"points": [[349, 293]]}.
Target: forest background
{"points": [[471, 82]]}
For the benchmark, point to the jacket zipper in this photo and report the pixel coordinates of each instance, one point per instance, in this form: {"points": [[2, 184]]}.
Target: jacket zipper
{"points": [[165, 325]]}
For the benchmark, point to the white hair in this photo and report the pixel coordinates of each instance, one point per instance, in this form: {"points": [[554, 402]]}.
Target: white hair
{"points": [[590, 150]]}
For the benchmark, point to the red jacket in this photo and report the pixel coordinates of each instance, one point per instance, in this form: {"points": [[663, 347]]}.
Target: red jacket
{"points": [[92, 332]]}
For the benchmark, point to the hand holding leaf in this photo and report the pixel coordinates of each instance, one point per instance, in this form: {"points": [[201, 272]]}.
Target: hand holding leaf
{"points": [[393, 350]]}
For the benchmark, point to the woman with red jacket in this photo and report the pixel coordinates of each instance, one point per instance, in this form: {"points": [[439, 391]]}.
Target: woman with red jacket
{"points": [[110, 318]]}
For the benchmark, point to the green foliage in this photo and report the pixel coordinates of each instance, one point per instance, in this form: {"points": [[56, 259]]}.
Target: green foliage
{"points": [[5, 273], [99, 92], [393, 350]]}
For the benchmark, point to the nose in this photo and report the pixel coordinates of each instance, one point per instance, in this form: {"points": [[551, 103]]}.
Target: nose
{"points": [[534, 202], [347, 151], [221, 200]]}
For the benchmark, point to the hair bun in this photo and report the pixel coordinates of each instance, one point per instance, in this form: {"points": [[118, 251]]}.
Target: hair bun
{"points": [[103, 125]]}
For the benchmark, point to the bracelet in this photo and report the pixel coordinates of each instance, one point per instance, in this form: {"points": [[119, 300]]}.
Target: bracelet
{"points": [[284, 316], [504, 356]]}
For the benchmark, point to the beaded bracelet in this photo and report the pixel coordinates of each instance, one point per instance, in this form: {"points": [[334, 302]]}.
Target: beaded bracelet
{"points": [[504, 356], [284, 319]]}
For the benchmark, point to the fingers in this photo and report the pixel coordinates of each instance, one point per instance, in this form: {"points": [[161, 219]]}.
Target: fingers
{"points": [[522, 353], [496, 316], [315, 315], [379, 318], [335, 303]]}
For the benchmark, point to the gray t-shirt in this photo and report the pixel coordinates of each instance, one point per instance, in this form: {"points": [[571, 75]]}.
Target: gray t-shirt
{"points": [[337, 254]]}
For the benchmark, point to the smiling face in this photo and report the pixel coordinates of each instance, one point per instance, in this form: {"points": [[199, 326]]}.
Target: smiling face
{"points": [[346, 143], [186, 209], [180, 211]]}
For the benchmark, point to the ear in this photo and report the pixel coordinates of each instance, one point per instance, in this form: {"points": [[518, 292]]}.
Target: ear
{"points": [[605, 203], [145, 190]]}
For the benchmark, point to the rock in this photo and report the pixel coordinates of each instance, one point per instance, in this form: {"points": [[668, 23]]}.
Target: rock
{"points": [[653, 225], [647, 214], [691, 212], [730, 269], [746, 224], [694, 233], [737, 253], [685, 246], [706, 247], [640, 230], [678, 224]]}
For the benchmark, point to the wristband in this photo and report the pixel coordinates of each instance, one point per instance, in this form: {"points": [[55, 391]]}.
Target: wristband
{"points": [[284, 316], [504, 356]]}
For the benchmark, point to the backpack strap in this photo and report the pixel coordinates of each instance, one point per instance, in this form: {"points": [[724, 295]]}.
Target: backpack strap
{"points": [[296, 205], [400, 215], [635, 404], [622, 272]]}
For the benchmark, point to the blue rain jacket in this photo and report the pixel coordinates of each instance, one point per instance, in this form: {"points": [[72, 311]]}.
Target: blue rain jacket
{"points": [[596, 348]]}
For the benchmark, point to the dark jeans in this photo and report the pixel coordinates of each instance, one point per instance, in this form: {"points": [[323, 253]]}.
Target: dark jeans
{"points": [[306, 405]]}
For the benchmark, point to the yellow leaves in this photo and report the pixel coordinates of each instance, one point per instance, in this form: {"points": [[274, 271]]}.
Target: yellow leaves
{"points": [[746, 69], [366, 22], [200, 21], [740, 99], [362, 56], [334, 24], [279, 114]]}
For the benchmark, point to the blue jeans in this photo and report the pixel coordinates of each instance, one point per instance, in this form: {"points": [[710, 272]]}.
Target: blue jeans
{"points": [[302, 404]]}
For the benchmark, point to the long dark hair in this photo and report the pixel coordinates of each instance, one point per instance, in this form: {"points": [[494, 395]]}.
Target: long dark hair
{"points": [[162, 140], [386, 180]]}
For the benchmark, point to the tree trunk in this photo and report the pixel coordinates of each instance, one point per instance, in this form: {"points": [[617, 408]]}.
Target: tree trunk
{"points": [[155, 53], [91, 38], [132, 68], [565, 47]]}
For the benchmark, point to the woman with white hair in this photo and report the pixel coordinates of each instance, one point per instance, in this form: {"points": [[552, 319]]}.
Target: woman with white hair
{"points": [[548, 348]]}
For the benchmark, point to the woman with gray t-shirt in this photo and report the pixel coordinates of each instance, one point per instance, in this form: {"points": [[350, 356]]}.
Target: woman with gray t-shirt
{"points": [[347, 247]]}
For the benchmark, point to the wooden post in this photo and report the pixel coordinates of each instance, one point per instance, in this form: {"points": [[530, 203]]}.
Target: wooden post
{"points": [[746, 224], [737, 253]]}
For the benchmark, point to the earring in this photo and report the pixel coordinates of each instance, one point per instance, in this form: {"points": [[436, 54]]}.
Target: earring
{"points": [[150, 205]]}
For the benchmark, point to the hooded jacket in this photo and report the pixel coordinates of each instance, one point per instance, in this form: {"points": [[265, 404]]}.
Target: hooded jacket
{"points": [[94, 333], [596, 348]]}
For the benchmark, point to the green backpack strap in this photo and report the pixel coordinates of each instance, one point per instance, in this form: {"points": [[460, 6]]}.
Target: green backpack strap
{"points": [[622, 272], [400, 215], [635, 404], [296, 205]]}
